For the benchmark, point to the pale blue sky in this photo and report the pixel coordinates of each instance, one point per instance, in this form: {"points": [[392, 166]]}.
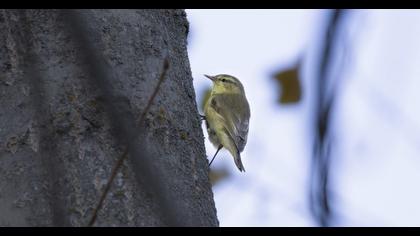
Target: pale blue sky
{"points": [[376, 154]]}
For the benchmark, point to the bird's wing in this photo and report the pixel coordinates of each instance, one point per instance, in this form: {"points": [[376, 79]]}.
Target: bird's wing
{"points": [[237, 120]]}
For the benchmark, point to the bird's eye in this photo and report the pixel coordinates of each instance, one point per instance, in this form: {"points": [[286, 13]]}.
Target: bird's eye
{"points": [[223, 80]]}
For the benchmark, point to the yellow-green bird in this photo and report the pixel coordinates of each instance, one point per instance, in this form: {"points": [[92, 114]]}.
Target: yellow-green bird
{"points": [[227, 116]]}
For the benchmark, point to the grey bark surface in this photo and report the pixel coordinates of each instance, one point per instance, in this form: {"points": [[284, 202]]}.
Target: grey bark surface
{"points": [[57, 146]]}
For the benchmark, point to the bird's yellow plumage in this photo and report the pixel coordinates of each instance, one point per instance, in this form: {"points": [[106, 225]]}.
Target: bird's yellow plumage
{"points": [[227, 116]]}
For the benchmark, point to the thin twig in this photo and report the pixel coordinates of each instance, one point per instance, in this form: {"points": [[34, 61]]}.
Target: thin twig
{"points": [[161, 78], [108, 186], [121, 159], [101, 76]]}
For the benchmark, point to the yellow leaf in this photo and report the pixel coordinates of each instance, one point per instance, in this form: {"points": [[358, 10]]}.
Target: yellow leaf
{"points": [[289, 81]]}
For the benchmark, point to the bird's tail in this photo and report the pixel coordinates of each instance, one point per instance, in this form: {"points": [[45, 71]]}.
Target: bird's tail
{"points": [[238, 162], [229, 143]]}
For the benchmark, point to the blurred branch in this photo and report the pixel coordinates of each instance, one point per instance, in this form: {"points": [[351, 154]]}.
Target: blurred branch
{"points": [[47, 150], [319, 193], [118, 110]]}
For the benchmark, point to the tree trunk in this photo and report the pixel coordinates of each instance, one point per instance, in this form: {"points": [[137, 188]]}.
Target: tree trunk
{"points": [[57, 143]]}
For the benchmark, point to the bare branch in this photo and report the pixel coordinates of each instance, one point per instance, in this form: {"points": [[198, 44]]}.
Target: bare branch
{"points": [[324, 101], [121, 159]]}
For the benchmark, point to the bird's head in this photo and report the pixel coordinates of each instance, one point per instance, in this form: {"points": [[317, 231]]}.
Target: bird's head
{"points": [[226, 84]]}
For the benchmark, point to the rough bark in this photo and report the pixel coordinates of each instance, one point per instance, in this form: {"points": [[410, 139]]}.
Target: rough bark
{"points": [[57, 146]]}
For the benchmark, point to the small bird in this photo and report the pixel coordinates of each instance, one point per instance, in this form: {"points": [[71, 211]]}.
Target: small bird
{"points": [[227, 114]]}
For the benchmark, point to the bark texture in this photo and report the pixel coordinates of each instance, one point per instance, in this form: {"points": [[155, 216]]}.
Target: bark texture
{"points": [[57, 146]]}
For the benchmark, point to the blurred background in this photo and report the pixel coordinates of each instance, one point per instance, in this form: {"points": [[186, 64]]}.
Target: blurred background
{"points": [[334, 137]]}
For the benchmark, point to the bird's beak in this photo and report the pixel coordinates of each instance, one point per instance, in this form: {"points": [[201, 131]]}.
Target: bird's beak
{"points": [[210, 77]]}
